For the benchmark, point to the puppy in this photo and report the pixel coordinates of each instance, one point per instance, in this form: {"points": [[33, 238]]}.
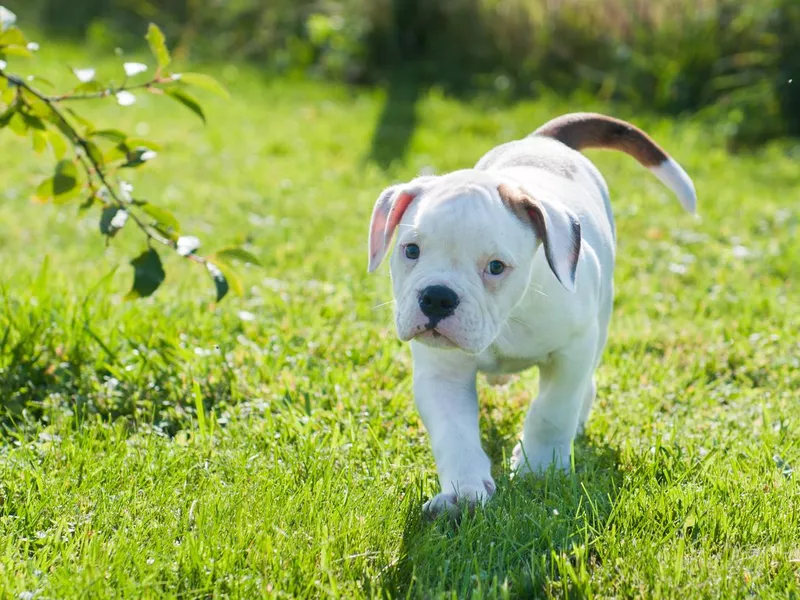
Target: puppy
{"points": [[502, 267]]}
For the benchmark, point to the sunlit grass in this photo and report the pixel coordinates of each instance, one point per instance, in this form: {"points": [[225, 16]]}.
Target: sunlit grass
{"points": [[307, 474]]}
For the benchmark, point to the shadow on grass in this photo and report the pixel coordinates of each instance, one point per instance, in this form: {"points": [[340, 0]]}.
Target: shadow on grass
{"points": [[535, 537], [398, 119]]}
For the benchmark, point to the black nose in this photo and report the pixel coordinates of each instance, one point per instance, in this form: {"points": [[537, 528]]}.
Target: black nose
{"points": [[438, 301]]}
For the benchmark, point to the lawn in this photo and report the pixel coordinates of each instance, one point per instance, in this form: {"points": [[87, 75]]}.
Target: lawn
{"points": [[269, 446]]}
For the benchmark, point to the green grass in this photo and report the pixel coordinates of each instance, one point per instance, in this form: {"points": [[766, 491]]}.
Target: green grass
{"points": [[269, 447]]}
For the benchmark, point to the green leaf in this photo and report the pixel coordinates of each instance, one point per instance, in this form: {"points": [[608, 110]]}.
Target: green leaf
{"points": [[112, 220], [155, 38], [204, 82], [233, 279], [94, 153], [7, 94], [33, 122], [88, 87], [163, 218], [187, 100], [63, 128], [13, 36], [86, 123], [87, 204], [148, 274], [17, 51], [38, 107], [220, 281], [226, 255], [5, 118], [116, 153], [18, 125], [115, 135], [57, 143], [39, 140], [62, 186]]}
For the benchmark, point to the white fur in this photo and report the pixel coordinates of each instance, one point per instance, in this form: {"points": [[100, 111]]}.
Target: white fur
{"points": [[675, 178], [525, 317]]}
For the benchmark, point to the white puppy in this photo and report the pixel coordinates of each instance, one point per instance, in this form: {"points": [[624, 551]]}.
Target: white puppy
{"points": [[506, 266]]}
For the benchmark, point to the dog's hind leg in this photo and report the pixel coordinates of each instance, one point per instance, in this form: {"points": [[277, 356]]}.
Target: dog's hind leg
{"points": [[553, 418], [591, 393], [586, 409]]}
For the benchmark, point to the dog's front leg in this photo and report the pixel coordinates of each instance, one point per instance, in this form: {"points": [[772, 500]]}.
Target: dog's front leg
{"points": [[553, 418], [447, 400]]}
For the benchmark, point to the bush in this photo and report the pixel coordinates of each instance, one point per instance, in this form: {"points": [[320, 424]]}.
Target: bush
{"points": [[732, 58]]}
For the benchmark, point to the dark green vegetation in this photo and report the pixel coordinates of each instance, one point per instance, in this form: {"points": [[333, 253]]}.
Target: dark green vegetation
{"points": [[735, 61], [270, 447]]}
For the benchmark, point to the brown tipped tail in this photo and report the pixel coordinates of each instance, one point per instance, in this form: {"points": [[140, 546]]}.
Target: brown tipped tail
{"points": [[593, 130]]}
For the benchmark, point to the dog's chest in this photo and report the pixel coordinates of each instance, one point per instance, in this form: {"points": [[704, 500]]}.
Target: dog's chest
{"points": [[514, 350]]}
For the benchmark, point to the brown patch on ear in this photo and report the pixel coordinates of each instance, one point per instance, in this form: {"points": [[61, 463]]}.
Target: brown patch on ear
{"points": [[525, 208], [530, 211]]}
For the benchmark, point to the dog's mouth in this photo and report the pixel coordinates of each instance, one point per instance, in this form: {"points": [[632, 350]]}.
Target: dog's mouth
{"points": [[432, 336]]}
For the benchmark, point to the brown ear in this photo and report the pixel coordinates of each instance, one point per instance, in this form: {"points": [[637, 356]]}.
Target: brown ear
{"points": [[556, 227]]}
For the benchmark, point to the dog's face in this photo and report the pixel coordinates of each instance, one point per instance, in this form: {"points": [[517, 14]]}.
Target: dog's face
{"points": [[462, 262]]}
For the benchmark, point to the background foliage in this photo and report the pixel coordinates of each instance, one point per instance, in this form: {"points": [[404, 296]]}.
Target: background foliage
{"points": [[93, 162], [736, 60]]}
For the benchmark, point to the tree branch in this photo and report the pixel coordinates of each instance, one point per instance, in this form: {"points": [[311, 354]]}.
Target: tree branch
{"points": [[92, 167]]}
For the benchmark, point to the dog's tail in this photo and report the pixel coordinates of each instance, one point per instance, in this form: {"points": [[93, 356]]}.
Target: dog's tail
{"points": [[593, 130]]}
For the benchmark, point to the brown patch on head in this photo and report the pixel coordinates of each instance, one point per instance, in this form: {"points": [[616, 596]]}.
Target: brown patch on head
{"points": [[592, 130]]}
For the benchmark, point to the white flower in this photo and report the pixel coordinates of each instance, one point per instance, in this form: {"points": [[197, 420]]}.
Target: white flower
{"points": [[214, 270], [125, 98], [33, 46], [134, 68], [740, 251], [125, 190], [84, 75], [119, 220], [245, 315], [188, 244], [3, 64], [677, 268], [148, 155], [7, 18], [176, 76]]}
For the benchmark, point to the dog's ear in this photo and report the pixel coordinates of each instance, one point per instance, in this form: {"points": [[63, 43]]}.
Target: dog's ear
{"points": [[557, 228], [389, 209]]}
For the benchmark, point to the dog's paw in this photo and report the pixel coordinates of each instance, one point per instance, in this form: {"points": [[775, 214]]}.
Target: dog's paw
{"points": [[526, 461], [467, 495]]}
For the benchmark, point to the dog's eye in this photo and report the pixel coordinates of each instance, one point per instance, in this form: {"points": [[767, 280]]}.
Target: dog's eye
{"points": [[412, 252], [496, 267]]}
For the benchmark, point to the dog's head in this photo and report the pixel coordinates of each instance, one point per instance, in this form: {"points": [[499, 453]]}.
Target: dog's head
{"points": [[465, 247]]}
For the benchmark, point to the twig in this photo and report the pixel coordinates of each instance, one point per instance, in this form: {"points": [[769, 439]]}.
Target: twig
{"points": [[111, 91], [93, 167]]}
